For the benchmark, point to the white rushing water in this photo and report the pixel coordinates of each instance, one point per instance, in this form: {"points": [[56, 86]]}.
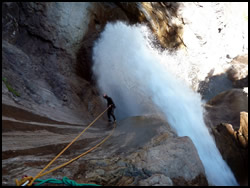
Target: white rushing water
{"points": [[140, 80]]}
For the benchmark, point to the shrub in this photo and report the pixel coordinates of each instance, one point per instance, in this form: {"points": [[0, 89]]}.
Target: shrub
{"points": [[10, 88]]}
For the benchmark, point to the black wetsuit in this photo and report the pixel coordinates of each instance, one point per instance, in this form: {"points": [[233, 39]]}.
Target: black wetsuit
{"points": [[111, 109]]}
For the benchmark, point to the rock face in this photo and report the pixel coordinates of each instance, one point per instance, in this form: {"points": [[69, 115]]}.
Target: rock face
{"points": [[142, 151], [63, 24], [236, 76], [39, 61], [156, 180], [56, 40], [233, 147], [226, 108], [239, 68], [156, 160], [243, 131], [168, 156], [229, 125], [238, 72], [47, 59], [47, 56]]}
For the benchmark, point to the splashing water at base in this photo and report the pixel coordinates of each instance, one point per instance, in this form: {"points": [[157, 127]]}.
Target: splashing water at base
{"points": [[140, 80]]}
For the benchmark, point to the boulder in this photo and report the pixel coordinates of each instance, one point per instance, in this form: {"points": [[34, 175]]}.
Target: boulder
{"points": [[156, 180], [239, 68], [238, 71], [243, 130], [164, 161], [227, 117], [226, 107], [241, 83], [166, 155], [232, 147]]}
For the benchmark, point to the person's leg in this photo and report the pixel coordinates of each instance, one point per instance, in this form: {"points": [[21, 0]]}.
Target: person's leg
{"points": [[109, 113], [112, 114]]}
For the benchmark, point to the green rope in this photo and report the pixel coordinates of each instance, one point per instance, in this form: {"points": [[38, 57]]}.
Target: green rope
{"points": [[65, 181]]}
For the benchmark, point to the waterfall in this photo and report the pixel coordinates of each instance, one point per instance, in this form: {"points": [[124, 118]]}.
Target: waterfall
{"points": [[141, 80]]}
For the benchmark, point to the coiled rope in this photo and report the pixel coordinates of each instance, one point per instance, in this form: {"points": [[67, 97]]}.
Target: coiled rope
{"points": [[65, 181], [29, 180]]}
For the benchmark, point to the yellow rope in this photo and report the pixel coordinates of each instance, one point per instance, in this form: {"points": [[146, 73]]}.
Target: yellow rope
{"points": [[22, 181], [31, 179], [79, 155]]}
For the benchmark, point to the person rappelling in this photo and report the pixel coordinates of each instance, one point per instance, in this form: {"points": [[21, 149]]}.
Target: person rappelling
{"points": [[111, 106]]}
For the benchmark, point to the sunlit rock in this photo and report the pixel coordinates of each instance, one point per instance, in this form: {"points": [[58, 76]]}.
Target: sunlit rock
{"points": [[229, 125], [47, 52]]}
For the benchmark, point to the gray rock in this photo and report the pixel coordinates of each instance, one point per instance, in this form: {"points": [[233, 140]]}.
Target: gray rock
{"points": [[174, 157], [64, 24], [47, 57], [239, 68], [226, 107], [156, 180], [226, 115]]}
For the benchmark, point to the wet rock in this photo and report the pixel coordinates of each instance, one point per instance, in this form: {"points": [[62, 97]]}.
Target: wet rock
{"points": [[108, 164], [232, 147], [229, 125], [10, 25], [169, 155], [239, 67], [47, 57], [241, 83], [114, 174], [156, 180], [226, 107], [214, 85], [197, 181], [64, 24], [154, 164], [238, 72], [165, 22]]}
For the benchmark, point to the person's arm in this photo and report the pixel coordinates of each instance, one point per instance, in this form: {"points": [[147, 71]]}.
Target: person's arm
{"points": [[113, 104]]}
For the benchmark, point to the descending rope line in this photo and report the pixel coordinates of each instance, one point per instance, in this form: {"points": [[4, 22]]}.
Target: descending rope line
{"points": [[29, 180]]}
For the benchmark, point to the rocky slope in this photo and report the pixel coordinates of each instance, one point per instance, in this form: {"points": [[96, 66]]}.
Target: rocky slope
{"points": [[40, 58], [127, 158], [49, 94], [47, 47], [47, 54], [227, 117]]}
